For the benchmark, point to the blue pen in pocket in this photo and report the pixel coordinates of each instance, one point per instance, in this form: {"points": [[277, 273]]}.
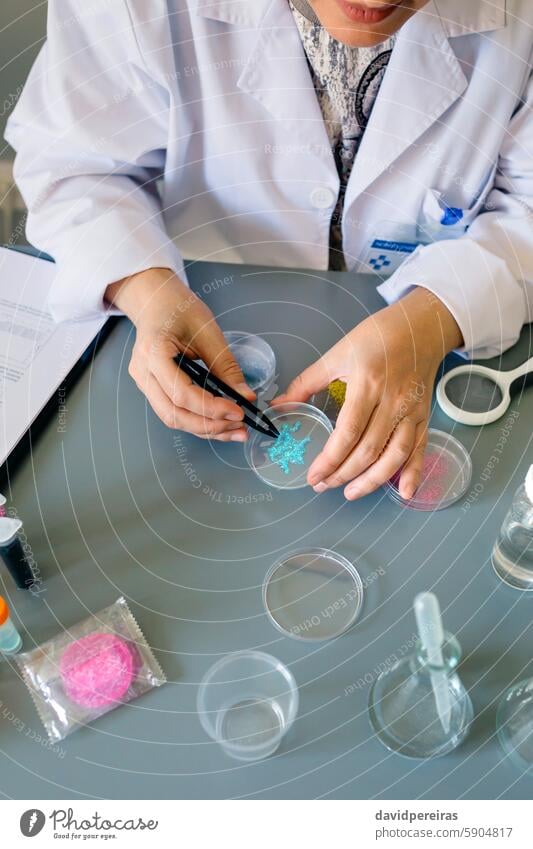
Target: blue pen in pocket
{"points": [[440, 221]]}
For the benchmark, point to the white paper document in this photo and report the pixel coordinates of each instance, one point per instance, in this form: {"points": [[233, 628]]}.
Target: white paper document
{"points": [[35, 353]]}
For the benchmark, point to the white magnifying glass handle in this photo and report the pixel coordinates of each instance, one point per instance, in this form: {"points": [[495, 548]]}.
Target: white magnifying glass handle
{"points": [[502, 379], [519, 371]]}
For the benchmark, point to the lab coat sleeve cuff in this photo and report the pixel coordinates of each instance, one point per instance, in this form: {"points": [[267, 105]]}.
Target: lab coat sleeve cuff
{"points": [[102, 252], [474, 284]]}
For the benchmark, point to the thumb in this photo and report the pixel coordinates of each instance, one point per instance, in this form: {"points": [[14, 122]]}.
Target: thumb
{"points": [[311, 380], [212, 348]]}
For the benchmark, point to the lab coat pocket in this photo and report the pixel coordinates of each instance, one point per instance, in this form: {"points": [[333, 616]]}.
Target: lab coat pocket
{"points": [[441, 217], [440, 220]]}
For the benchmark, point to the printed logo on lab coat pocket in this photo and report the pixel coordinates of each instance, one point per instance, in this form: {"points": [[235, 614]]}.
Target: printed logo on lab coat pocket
{"points": [[385, 256]]}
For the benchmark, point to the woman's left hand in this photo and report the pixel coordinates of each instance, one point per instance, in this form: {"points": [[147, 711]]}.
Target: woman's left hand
{"points": [[389, 363]]}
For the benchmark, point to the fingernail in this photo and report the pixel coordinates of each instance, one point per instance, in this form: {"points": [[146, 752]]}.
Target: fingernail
{"points": [[238, 437], [409, 492], [233, 417], [351, 492], [320, 487], [234, 426], [243, 388]]}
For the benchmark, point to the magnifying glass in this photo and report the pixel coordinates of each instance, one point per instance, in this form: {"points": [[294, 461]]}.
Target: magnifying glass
{"points": [[477, 395]]}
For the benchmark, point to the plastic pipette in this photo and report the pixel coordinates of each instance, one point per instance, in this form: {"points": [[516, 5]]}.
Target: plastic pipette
{"points": [[429, 623]]}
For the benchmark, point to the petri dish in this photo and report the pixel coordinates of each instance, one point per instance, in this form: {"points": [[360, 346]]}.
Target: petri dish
{"points": [[283, 463], [313, 594], [445, 478], [255, 357]]}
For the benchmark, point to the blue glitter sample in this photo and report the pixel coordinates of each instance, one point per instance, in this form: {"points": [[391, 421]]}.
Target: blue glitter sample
{"points": [[286, 449]]}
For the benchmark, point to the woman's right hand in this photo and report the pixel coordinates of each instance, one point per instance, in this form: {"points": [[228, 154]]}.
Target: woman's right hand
{"points": [[169, 320]]}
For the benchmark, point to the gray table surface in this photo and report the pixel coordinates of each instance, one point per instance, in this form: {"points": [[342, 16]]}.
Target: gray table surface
{"points": [[119, 505]]}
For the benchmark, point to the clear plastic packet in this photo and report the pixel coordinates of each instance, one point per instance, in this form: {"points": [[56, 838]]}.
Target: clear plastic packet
{"points": [[88, 670]]}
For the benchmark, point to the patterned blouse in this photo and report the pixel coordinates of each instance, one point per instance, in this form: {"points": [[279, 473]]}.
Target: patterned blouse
{"points": [[347, 81]]}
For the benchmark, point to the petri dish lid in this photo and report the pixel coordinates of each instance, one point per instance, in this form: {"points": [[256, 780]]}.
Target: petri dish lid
{"points": [[313, 594], [255, 357], [446, 475], [283, 463]]}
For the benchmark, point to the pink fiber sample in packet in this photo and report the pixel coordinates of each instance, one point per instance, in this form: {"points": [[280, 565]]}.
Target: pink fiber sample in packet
{"points": [[89, 669], [97, 670]]}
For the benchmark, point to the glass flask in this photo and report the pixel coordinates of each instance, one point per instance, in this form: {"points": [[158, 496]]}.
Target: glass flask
{"points": [[514, 724], [403, 709], [512, 555]]}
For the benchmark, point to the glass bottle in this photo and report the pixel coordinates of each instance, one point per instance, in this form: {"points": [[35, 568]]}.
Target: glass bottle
{"points": [[514, 724], [403, 710], [10, 639], [512, 555]]}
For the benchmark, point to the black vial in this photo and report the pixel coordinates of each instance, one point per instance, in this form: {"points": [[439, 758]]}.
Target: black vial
{"points": [[13, 556]]}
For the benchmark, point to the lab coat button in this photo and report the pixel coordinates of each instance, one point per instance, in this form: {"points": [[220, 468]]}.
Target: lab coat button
{"points": [[322, 197]]}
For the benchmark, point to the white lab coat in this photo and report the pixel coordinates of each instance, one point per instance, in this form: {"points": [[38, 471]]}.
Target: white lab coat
{"points": [[215, 97]]}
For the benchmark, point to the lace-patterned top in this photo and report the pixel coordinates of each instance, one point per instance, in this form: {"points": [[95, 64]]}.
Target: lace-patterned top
{"points": [[347, 81]]}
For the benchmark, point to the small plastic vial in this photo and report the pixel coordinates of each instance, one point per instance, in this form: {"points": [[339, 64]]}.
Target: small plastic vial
{"points": [[512, 555], [12, 553], [10, 639]]}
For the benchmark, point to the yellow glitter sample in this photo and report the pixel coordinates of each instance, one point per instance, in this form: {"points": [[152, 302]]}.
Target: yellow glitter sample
{"points": [[337, 390]]}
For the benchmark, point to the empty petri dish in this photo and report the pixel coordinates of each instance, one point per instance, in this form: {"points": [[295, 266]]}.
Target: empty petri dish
{"points": [[446, 475], [283, 462], [313, 594], [255, 357]]}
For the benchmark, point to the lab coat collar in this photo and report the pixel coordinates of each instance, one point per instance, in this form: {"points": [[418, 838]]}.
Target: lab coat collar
{"points": [[275, 71], [424, 78], [277, 75], [239, 12], [463, 17]]}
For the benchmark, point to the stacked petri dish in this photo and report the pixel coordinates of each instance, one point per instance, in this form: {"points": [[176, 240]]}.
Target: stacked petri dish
{"points": [[255, 357]]}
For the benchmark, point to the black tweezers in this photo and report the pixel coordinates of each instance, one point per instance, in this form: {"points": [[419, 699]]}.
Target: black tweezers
{"points": [[203, 378]]}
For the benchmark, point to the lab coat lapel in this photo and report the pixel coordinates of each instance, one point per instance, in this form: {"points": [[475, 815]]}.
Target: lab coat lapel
{"points": [[423, 79], [277, 75]]}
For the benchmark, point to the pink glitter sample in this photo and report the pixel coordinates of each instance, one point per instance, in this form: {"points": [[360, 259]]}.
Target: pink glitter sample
{"points": [[435, 465], [430, 493], [97, 670], [430, 489]]}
